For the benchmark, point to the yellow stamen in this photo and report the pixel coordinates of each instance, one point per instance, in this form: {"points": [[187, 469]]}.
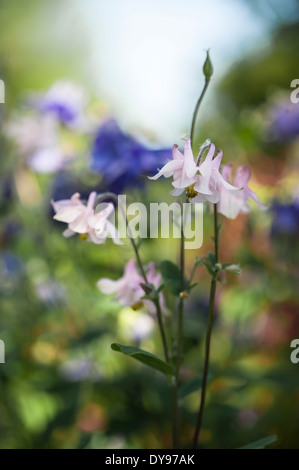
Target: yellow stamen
{"points": [[83, 236], [137, 306], [191, 192]]}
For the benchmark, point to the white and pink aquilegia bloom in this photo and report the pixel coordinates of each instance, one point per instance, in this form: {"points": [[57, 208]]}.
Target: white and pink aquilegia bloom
{"points": [[82, 218], [128, 291], [200, 178], [232, 204]]}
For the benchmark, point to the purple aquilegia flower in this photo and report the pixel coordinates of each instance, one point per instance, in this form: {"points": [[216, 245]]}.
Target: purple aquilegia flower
{"points": [[285, 122], [122, 160], [64, 100], [285, 219]]}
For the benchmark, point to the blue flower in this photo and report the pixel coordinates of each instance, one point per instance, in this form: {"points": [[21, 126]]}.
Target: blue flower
{"points": [[285, 122], [65, 101], [285, 219], [122, 160]]}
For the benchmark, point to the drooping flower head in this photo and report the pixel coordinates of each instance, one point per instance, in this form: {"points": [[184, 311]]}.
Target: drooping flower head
{"points": [[201, 179], [232, 204], [128, 290], [122, 160], [82, 218]]}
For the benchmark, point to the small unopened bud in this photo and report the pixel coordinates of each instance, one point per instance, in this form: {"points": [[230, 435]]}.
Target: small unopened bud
{"points": [[218, 266], [184, 295], [147, 289], [208, 67], [233, 269]]}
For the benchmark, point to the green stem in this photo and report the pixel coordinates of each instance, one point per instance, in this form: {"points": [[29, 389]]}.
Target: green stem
{"points": [[114, 197], [162, 330], [208, 337], [197, 108], [176, 410]]}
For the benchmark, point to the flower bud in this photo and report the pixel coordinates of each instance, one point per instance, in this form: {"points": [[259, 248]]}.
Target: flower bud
{"points": [[208, 67], [233, 269]]}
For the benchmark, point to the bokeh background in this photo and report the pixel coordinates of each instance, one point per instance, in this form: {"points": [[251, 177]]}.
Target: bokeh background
{"points": [[129, 74]]}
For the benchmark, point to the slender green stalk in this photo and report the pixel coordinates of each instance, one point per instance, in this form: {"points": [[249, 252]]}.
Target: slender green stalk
{"points": [[208, 337], [162, 330], [193, 271], [181, 302], [180, 326], [114, 197], [207, 81]]}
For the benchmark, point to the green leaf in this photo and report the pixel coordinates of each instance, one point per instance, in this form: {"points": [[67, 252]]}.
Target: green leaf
{"points": [[209, 267], [171, 274], [261, 443], [145, 357]]}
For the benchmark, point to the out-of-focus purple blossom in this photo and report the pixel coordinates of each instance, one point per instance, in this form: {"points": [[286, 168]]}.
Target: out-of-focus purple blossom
{"points": [[47, 160], [122, 160], [10, 270], [285, 219], [64, 100], [37, 138], [50, 292], [284, 125], [80, 369], [6, 191], [31, 133]]}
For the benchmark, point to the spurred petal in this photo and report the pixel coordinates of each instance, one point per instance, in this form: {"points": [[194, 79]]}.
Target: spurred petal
{"points": [[189, 163], [229, 205], [80, 224], [226, 171], [176, 153], [217, 159], [91, 200], [202, 184], [177, 191], [108, 286], [242, 176], [68, 233], [168, 169], [252, 195], [112, 231], [69, 214]]}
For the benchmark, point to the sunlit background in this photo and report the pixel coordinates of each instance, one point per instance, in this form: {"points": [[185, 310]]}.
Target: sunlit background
{"points": [[96, 94]]}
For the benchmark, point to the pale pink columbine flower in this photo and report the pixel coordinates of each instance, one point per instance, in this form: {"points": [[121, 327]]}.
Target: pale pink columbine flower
{"points": [[128, 290], [201, 180], [82, 218], [232, 204]]}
